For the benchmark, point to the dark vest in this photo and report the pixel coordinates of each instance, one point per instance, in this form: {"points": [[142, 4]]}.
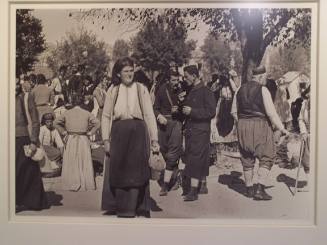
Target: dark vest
{"points": [[250, 101]]}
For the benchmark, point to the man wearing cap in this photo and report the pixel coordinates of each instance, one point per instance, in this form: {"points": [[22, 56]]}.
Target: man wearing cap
{"points": [[255, 112], [200, 108], [170, 128]]}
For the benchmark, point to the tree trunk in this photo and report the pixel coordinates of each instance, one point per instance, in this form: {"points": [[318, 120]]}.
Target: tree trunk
{"points": [[250, 32]]}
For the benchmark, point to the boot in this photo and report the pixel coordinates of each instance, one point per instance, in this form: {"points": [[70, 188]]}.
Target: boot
{"points": [[164, 189], [186, 183], [203, 189], [192, 195], [249, 191], [175, 181], [260, 193]]}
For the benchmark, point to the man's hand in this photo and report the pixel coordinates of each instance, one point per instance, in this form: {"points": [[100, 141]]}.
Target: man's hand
{"points": [[187, 110], [155, 146], [174, 109], [277, 136], [181, 96], [162, 120]]}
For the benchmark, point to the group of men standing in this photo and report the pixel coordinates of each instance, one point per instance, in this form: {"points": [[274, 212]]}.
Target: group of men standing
{"points": [[187, 113]]}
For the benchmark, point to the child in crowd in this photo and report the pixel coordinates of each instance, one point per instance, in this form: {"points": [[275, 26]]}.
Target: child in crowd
{"points": [[52, 144]]}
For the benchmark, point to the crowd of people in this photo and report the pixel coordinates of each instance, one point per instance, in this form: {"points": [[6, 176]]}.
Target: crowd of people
{"points": [[179, 115]]}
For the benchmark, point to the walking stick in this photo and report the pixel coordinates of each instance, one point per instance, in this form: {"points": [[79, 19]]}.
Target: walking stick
{"points": [[299, 166]]}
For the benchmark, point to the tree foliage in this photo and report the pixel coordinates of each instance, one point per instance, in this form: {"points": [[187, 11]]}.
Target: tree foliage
{"points": [[283, 59], [217, 53], [79, 47], [158, 45], [30, 40], [120, 49], [255, 28]]}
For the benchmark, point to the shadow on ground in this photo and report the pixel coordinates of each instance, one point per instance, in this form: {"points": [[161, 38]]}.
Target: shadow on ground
{"points": [[289, 182], [233, 181], [54, 199]]}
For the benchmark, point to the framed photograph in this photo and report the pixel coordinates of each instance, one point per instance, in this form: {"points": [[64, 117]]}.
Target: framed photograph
{"points": [[163, 122]]}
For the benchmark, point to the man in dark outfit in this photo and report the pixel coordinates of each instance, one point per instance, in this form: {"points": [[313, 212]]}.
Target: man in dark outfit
{"points": [[200, 108], [254, 110], [170, 128]]}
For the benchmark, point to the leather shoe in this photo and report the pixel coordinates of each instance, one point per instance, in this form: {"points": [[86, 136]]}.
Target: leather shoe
{"points": [[249, 192], [260, 193], [203, 189], [164, 190], [192, 195]]}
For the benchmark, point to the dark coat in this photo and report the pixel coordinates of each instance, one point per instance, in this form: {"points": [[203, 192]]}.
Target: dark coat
{"points": [[197, 131]]}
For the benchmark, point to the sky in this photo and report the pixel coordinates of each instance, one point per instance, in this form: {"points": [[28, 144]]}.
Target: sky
{"points": [[56, 23]]}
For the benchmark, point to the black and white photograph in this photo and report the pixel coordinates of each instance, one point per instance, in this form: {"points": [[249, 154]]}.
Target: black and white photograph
{"points": [[170, 112]]}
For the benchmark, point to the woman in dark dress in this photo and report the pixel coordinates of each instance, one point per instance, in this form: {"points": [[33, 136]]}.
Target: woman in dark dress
{"points": [[30, 193], [129, 131]]}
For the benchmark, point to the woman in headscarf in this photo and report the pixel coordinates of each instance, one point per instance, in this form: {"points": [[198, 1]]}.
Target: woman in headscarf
{"points": [[77, 125], [128, 126]]}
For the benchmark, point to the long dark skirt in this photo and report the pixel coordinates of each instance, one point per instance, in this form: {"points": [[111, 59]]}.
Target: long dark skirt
{"points": [[126, 189], [197, 153], [29, 186]]}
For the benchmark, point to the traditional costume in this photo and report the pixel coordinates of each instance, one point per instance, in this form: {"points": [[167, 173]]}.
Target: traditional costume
{"points": [[30, 193], [128, 122], [197, 131], [170, 135], [256, 114], [77, 170]]}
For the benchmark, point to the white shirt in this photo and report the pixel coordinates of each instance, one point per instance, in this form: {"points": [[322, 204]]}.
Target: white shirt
{"points": [[56, 85], [48, 137], [127, 102]]}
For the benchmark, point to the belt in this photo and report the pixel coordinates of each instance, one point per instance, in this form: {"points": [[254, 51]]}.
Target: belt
{"points": [[44, 104], [77, 133]]}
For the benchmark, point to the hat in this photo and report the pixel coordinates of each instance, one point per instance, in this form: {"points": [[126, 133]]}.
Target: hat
{"points": [[48, 116], [259, 70]]}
